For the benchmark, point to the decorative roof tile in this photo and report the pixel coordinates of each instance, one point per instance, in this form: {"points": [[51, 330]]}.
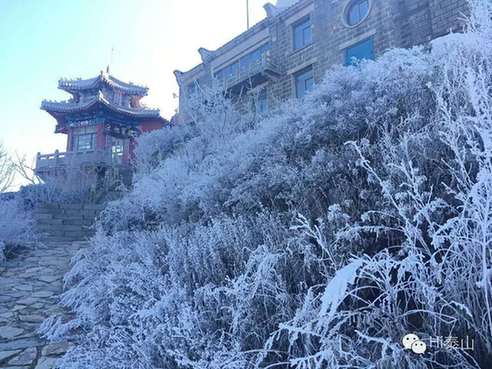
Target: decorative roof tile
{"points": [[75, 85], [62, 107]]}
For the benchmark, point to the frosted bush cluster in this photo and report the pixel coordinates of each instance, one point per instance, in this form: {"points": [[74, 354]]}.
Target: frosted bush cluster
{"points": [[15, 225], [314, 238]]}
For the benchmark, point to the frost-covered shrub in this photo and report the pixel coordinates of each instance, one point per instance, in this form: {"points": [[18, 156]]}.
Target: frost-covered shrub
{"points": [[15, 225], [314, 238]]}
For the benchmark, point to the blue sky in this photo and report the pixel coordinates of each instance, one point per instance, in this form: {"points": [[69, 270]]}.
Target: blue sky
{"points": [[44, 40]]}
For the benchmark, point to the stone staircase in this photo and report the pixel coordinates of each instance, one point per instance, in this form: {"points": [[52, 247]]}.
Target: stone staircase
{"points": [[65, 222]]}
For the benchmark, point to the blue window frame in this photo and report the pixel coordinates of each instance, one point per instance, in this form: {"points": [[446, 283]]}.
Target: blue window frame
{"points": [[359, 51], [357, 11], [243, 64], [303, 33], [304, 81]]}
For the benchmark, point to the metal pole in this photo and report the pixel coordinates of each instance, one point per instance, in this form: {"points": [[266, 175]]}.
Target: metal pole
{"points": [[247, 14]]}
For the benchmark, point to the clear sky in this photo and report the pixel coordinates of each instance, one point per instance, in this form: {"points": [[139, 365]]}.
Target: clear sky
{"points": [[44, 40]]}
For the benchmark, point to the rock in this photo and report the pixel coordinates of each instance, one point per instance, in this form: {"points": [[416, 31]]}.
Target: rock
{"points": [[43, 294], [25, 358], [27, 301], [4, 299], [46, 363], [48, 278], [7, 332], [19, 307], [8, 354], [31, 318], [55, 349], [21, 343], [24, 287]]}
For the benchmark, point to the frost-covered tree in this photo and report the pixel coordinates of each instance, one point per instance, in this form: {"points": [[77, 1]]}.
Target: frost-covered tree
{"points": [[6, 170]]}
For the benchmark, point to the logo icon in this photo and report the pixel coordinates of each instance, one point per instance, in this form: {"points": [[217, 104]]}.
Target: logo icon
{"points": [[412, 342]]}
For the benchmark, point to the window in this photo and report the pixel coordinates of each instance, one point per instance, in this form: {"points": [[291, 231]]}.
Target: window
{"points": [[304, 82], [359, 51], [303, 35], [85, 142], [260, 102], [356, 12], [117, 150], [83, 138], [244, 64]]}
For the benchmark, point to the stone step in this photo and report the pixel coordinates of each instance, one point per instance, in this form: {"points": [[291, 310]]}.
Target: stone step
{"points": [[66, 222]]}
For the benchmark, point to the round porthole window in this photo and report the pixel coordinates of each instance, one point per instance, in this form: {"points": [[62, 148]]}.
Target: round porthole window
{"points": [[356, 11]]}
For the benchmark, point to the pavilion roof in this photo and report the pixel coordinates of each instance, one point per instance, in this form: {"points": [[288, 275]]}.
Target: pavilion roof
{"points": [[77, 85], [66, 107]]}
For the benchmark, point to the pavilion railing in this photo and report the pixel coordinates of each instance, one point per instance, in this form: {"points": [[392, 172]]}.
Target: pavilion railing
{"points": [[75, 160]]}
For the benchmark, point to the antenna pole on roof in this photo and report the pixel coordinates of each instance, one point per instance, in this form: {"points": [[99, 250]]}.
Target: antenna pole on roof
{"points": [[247, 14], [110, 59]]}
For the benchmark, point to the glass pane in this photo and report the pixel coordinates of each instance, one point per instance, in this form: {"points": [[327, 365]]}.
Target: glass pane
{"points": [[362, 50], [357, 12], [302, 34], [85, 142], [308, 36], [297, 39], [304, 82], [363, 9], [353, 15], [309, 84]]}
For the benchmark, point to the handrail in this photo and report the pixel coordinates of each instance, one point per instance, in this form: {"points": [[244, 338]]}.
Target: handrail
{"points": [[75, 158], [262, 64]]}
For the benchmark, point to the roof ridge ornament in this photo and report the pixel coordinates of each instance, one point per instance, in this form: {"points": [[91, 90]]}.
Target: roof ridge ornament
{"points": [[271, 10], [206, 55]]}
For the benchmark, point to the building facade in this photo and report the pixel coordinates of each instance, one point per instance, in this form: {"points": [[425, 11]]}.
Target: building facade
{"points": [[288, 52], [101, 121]]}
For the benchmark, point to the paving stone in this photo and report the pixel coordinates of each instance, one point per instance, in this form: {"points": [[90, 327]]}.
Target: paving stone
{"points": [[48, 278], [27, 301], [4, 299], [55, 349], [24, 287], [46, 363], [25, 358], [43, 294], [19, 307], [31, 318], [30, 291], [21, 343], [7, 332], [4, 355]]}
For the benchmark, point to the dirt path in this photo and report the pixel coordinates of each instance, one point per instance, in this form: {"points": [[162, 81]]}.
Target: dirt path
{"points": [[30, 285]]}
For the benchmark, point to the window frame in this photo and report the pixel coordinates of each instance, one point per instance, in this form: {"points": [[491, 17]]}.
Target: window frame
{"points": [[92, 141], [348, 62], [303, 24], [347, 10], [297, 75], [243, 63]]}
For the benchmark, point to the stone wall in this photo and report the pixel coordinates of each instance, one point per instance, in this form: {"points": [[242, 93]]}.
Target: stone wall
{"points": [[65, 222]]}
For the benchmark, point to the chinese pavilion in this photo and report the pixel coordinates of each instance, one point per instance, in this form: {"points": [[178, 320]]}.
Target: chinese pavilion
{"points": [[101, 120]]}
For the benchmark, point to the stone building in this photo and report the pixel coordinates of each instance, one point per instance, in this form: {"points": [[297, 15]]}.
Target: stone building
{"points": [[100, 120], [289, 51]]}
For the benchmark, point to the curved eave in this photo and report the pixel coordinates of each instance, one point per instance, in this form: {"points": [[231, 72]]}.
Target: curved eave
{"points": [[57, 109], [74, 86]]}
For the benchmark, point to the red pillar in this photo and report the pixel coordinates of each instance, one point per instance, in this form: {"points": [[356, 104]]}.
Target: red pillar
{"points": [[100, 137]]}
